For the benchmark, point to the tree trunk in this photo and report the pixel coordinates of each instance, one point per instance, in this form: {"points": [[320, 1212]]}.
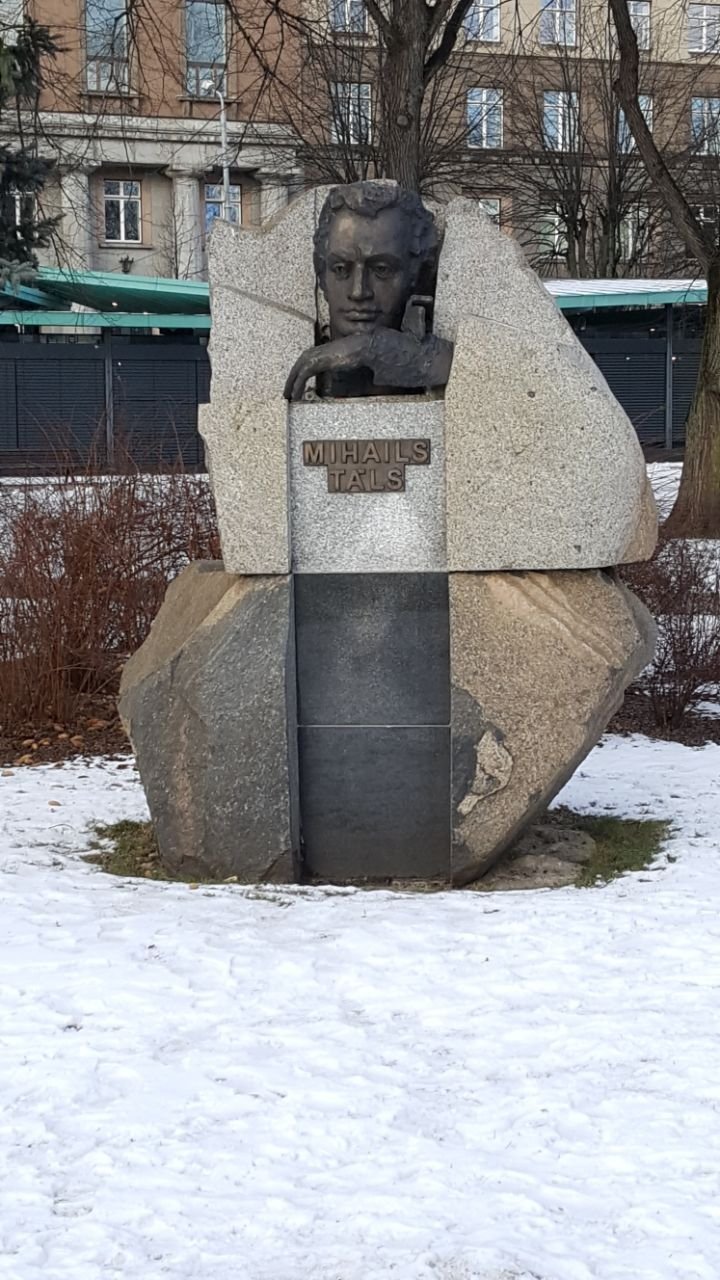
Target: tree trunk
{"points": [[697, 510], [401, 95]]}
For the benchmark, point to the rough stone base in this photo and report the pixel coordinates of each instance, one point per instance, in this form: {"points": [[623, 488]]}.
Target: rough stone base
{"points": [[205, 701], [539, 663], [388, 724]]}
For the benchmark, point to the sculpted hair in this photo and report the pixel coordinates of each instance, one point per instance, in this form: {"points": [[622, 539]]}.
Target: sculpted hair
{"points": [[368, 199]]}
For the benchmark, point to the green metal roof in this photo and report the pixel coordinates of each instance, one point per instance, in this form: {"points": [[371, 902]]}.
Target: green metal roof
{"points": [[587, 295], [119, 301], [115, 300], [104, 320], [113, 291]]}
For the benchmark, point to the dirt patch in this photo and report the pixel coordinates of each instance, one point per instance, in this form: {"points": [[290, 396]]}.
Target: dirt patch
{"points": [[636, 716], [97, 731]]}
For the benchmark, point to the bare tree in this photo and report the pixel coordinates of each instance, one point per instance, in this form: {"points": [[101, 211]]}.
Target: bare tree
{"points": [[697, 510], [370, 87], [582, 201]]}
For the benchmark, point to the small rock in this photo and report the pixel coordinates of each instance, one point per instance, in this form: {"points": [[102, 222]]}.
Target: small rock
{"points": [[547, 856], [547, 840]]}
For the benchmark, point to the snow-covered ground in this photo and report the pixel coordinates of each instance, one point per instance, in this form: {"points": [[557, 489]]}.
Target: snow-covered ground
{"points": [[289, 1084], [665, 480]]}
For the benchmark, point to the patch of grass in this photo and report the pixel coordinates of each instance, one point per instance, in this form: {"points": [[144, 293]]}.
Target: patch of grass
{"points": [[129, 849], [622, 844]]}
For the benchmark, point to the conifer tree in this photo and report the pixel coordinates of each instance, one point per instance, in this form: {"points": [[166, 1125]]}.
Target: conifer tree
{"points": [[23, 173]]}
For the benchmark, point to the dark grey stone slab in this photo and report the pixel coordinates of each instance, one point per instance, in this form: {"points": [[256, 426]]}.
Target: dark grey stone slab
{"points": [[373, 649], [375, 803], [207, 701]]}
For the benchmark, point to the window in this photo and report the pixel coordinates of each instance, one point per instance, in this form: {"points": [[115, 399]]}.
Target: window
{"points": [[122, 210], [560, 121], [107, 46], [484, 117], [348, 15], [16, 208], [204, 47], [491, 206], [703, 28], [625, 140], [639, 11], [633, 233], [557, 22], [551, 234], [483, 21], [215, 204], [708, 215], [12, 17], [705, 124], [22, 207], [351, 113]]}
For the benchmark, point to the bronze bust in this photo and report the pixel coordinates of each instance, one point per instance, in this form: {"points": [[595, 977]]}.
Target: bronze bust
{"points": [[375, 258]]}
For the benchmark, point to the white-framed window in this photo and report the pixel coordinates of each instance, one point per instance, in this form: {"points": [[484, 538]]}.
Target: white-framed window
{"points": [[560, 120], [22, 207], [12, 16], [122, 211], [625, 140], [485, 118], [17, 207], [703, 28], [348, 15], [483, 21], [639, 11], [106, 46], [351, 106], [204, 48], [551, 234], [491, 206], [557, 22], [705, 125], [634, 233], [215, 206]]}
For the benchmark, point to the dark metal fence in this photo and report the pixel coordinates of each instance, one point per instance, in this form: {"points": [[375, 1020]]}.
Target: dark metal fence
{"points": [[66, 403]]}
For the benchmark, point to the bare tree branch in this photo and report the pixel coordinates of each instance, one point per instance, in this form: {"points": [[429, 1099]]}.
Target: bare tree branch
{"points": [[627, 86]]}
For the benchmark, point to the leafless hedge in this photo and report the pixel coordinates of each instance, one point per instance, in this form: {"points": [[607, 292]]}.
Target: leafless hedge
{"points": [[84, 565], [681, 588]]}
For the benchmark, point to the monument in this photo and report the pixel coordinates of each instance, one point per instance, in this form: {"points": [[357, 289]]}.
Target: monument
{"points": [[416, 633]]}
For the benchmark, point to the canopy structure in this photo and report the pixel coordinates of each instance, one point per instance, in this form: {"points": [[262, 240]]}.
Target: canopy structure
{"points": [[110, 300], [106, 300], [588, 295]]}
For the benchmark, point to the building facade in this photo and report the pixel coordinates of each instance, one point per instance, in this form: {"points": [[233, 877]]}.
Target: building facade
{"points": [[165, 114]]}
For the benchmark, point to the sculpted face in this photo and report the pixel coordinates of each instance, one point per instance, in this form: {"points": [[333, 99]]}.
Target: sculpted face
{"points": [[369, 272]]}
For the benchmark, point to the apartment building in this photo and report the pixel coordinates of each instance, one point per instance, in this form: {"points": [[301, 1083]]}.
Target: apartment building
{"points": [[525, 121], [143, 108]]}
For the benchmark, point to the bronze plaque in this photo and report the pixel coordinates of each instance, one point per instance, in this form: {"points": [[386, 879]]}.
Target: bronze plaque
{"points": [[366, 466]]}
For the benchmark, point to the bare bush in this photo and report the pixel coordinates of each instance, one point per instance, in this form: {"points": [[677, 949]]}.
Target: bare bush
{"points": [[84, 566], [681, 588]]}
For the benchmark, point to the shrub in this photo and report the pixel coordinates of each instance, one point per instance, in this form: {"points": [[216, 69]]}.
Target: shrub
{"points": [[84, 565], [681, 588]]}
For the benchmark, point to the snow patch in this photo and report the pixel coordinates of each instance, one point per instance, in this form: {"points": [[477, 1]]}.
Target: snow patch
{"points": [[299, 1084]]}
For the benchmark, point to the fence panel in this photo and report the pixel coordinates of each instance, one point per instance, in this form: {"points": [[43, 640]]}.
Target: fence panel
{"points": [[635, 372]]}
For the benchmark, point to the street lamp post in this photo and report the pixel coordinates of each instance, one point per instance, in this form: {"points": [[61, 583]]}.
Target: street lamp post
{"points": [[224, 144], [210, 86]]}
